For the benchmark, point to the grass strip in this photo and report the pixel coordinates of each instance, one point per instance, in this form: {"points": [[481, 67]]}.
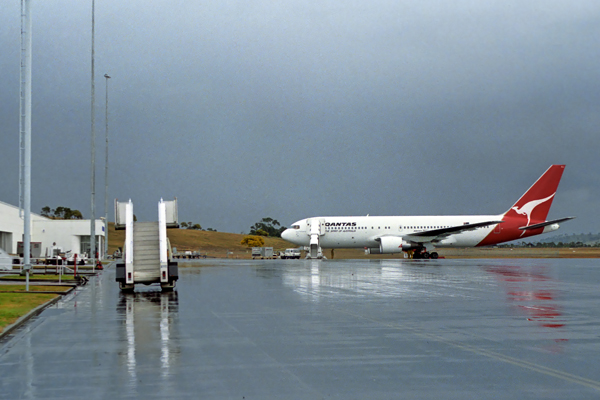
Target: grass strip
{"points": [[14, 305], [38, 277], [33, 288]]}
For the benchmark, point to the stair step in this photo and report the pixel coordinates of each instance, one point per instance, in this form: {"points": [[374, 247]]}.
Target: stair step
{"points": [[146, 251]]}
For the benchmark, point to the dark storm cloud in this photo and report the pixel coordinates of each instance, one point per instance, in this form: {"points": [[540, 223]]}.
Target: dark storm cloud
{"points": [[251, 109]]}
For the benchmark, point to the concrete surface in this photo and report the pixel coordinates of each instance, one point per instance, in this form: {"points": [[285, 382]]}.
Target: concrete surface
{"points": [[295, 329]]}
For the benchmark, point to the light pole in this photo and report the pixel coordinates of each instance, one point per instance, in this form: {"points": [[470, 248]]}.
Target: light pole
{"points": [[93, 159], [106, 175], [25, 135]]}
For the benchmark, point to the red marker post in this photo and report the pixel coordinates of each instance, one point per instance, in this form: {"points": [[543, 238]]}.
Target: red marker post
{"points": [[75, 265]]}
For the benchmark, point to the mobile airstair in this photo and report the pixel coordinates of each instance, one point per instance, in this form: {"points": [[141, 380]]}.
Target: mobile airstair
{"points": [[147, 250]]}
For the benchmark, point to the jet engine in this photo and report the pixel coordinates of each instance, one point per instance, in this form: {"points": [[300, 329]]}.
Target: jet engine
{"points": [[391, 245]]}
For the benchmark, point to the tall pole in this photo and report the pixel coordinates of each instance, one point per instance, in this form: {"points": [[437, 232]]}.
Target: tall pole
{"points": [[106, 174], [25, 133], [93, 159]]}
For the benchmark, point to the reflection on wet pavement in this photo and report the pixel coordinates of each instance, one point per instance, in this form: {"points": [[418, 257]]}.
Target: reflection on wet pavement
{"points": [[150, 317], [271, 329]]}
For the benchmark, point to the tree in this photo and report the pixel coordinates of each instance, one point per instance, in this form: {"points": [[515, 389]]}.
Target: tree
{"points": [[61, 212], [269, 226], [76, 214], [190, 225], [253, 241]]}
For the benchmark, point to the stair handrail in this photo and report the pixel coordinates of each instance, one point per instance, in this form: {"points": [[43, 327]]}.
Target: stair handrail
{"points": [[129, 256], [162, 238]]}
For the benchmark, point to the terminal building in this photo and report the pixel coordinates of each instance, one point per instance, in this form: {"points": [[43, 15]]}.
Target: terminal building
{"points": [[70, 235]]}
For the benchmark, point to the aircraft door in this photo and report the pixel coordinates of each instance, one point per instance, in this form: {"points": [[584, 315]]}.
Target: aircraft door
{"points": [[497, 229], [316, 226]]}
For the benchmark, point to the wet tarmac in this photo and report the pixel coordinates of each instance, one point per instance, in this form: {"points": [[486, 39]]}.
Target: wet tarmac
{"points": [[295, 329]]}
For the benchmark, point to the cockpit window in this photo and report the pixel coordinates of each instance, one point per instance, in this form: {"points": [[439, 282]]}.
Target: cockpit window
{"points": [[295, 226]]}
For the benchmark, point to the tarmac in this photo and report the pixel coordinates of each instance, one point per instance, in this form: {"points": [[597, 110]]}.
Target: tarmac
{"points": [[306, 329]]}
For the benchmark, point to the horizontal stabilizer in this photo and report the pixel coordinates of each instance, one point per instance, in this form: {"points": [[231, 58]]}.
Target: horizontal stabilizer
{"points": [[543, 224]]}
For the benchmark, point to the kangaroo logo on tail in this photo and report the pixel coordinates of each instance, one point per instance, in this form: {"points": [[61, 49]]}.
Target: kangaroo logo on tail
{"points": [[527, 209]]}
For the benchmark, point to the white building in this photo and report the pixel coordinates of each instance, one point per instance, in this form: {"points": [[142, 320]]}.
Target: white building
{"points": [[71, 234]]}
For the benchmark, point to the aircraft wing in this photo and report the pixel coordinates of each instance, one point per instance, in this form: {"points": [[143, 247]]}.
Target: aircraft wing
{"points": [[435, 235], [543, 224]]}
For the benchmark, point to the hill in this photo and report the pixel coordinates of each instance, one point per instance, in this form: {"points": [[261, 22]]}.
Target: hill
{"points": [[214, 244], [591, 239]]}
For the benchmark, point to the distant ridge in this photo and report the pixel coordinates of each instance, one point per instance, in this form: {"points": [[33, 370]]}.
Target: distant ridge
{"points": [[585, 238]]}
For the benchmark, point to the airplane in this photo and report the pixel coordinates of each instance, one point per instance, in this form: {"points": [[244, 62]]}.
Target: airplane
{"points": [[418, 236]]}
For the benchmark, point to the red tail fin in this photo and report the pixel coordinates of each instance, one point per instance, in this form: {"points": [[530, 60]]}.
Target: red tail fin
{"points": [[534, 205], [531, 208]]}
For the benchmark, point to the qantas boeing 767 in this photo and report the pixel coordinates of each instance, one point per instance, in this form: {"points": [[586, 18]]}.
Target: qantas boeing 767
{"points": [[419, 235]]}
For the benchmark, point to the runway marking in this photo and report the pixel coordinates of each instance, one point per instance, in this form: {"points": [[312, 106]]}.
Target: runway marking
{"points": [[593, 384], [515, 361]]}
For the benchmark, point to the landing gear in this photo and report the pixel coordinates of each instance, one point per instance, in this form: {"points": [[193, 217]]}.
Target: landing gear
{"points": [[422, 254]]}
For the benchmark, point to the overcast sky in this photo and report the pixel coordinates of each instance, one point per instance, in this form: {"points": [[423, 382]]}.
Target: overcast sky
{"points": [[248, 109]]}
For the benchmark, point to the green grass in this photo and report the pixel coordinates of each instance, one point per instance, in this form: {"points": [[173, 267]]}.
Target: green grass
{"points": [[33, 288], [43, 277], [15, 305]]}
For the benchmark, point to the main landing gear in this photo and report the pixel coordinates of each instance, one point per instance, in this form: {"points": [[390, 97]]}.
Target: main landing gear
{"points": [[421, 253]]}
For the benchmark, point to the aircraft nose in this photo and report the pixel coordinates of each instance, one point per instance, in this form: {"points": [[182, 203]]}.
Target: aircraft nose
{"points": [[288, 234]]}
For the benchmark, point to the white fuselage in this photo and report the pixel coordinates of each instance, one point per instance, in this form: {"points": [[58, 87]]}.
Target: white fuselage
{"points": [[355, 232]]}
